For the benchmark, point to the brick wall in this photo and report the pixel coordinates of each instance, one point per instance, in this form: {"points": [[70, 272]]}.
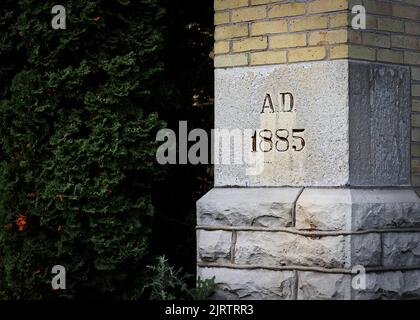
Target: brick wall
{"points": [[262, 32]]}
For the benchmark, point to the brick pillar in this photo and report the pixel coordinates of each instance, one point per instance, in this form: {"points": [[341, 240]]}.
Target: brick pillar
{"points": [[335, 113]]}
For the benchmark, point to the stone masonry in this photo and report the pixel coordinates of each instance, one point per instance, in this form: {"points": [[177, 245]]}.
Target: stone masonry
{"points": [[346, 198], [301, 243]]}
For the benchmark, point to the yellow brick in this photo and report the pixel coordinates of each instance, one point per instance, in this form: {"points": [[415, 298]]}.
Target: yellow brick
{"points": [[415, 120], [221, 17], [371, 22], [268, 57], [412, 58], [308, 23], [288, 40], [415, 136], [415, 90], [415, 150], [339, 20], [229, 4], [286, 10], [355, 37], [414, 2], [376, 40], [362, 53], [306, 54], [416, 105], [412, 28], [415, 180], [249, 14], [319, 6], [231, 60], [319, 38], [392, 56], [229, 32], [415, 164], [415, 74], [255, 2], [389, 24], [378, 7], [405, 11], [248, 44], [267, 27], [221, 47], [398, 41], [339, 52]]}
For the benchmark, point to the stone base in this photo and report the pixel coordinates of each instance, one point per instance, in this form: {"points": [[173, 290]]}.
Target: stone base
{"points": [[295, 243]]}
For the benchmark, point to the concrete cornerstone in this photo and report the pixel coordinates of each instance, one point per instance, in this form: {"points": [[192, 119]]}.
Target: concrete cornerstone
{"points": [[318, 199]]}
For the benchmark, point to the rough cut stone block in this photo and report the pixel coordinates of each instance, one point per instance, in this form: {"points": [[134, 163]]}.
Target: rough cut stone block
{"points": [[390, 285], [279, 248], [214, 245], [259, 207], [411, 288], [376, 209], [401, 249], [366, 250], [235, 284], [379, 124], [324, 286], [381, 286], [324, 209], [357, 209]]}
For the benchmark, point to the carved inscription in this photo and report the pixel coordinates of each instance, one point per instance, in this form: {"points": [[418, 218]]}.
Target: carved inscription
{"points": [[285, 103], [280, 140]]}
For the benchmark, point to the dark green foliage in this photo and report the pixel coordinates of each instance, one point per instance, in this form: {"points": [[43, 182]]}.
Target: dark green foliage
{"points": [[166, 283], [77, 157]]}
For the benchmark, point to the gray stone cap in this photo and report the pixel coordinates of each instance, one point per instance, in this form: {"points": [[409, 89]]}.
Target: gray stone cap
{"points": [[310, 209], [259, 207]]}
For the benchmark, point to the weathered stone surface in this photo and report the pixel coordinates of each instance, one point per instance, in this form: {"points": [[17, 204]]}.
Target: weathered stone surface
{"points": [[321, 110], [377, 209], [379, 124], [381, 286], [390, 285], [279, 248], [401, 249], [357, 209], [366, 250], [324, 286], [411, 288], [324, 209], [214, 246], [259, 207], [356, 121], [234, 284]]}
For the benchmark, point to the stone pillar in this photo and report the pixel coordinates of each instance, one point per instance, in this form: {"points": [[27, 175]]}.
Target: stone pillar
{"points": [[331, 117]]}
